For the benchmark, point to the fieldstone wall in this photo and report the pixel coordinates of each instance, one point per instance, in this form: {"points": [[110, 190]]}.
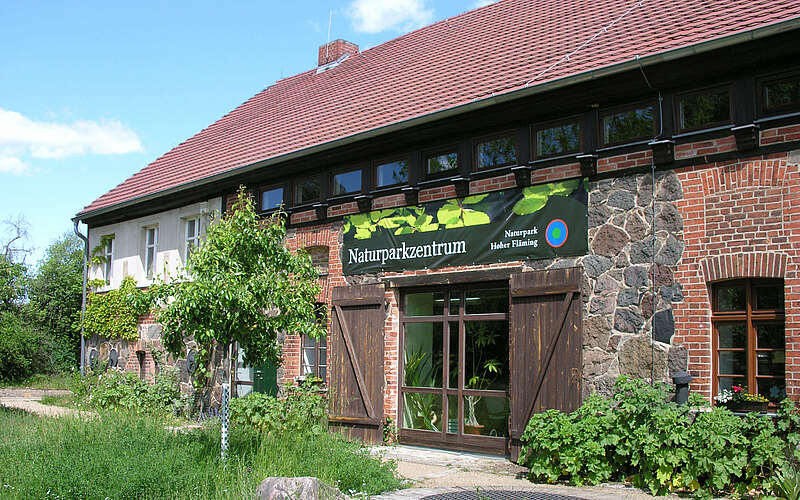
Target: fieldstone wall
{"points": [[624, 259]]}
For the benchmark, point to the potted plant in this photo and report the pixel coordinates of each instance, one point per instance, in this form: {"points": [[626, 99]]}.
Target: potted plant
{"points": [[484, 371], [736, 399]]}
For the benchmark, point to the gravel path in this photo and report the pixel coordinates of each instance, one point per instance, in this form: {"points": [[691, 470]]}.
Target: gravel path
{"points": [[29, 400]]}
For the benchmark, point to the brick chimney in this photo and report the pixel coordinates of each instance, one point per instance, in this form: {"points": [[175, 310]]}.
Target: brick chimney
{"points": [[334, 50]]}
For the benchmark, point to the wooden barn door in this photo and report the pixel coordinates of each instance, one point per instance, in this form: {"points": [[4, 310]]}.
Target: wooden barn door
{"points": [[546, 340], [355, 362]]}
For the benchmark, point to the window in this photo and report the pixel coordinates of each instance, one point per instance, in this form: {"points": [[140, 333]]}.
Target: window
{"points": [[781, 94], [704, 109], [496, 152], [192, 239], [443, 162], [108, 256], [314, 357], [558, 139], [749, 339], [271, 198], [346, 182], [619, 127], [306, 191], [389, 174], [150, 250]]}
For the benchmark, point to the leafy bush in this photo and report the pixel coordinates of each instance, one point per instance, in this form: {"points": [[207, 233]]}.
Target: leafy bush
{"points": [[23, 348], [301, 412], [115, 314], [124, 390], [637, 434]]}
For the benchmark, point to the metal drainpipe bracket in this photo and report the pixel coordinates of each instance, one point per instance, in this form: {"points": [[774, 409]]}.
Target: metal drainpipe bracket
{"points": [[747, 137], [522, 174], [364, 202], [663, 151], [588, 164], [321, 210], [461, 184]]}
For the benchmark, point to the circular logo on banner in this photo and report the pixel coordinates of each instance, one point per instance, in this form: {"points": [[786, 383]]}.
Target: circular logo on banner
{"points": [[556, 233]]}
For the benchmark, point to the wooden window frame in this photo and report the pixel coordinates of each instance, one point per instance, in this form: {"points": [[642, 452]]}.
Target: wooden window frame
{"points": [[265, 189], [315, 368], [108, 255], [445, 150], [149, 269], [569, 120], [761, 86], [490, 137], [621, 109], [710, 89], [387, 161], [186, 240], [751, 318], [295, 184], [346, 170]]}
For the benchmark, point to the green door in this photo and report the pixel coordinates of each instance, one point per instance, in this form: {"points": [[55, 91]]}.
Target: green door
{"points": [[265, 379]]}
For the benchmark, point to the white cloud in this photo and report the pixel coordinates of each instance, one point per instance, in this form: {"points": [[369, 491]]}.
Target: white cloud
{"points": [[21, 137], [482, 3], [374, 16]]}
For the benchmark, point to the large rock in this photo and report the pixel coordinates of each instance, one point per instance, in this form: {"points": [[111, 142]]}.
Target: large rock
{"points": [[669, 219], [669, 187], [628, 297], [641, 251], [601, 305], [621, 199], [606, 284], [671, 253], [635, 358], [596, 362], [677, 359], [297, 488], [636, 276], [609, 240], [598, 215], [596, 332], [664, 326], [636, 227], [595, 265], [628, 321]]}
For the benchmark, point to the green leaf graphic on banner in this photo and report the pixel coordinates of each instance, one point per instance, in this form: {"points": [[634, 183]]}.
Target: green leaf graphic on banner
{"points": [[453, 214], [471, 200], [346, 227], [534, 198]]}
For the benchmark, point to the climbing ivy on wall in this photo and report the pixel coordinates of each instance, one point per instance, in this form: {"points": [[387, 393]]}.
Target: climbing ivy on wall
{"points": [[115, 314]]}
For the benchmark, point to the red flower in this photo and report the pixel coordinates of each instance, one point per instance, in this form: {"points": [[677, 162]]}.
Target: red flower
{"points": [[737, 388]]}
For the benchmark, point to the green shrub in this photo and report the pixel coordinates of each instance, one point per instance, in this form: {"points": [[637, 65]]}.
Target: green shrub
{"points": [[23, 349], [302, 411], [124, 390], [641, 436]]}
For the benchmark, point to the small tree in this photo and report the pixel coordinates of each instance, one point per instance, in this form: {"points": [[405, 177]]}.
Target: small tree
{"points": [[244, 287]]}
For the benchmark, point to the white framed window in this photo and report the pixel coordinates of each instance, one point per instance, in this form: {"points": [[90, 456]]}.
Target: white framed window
{"points": [[108, 257], [192, 236], [150, 250]]}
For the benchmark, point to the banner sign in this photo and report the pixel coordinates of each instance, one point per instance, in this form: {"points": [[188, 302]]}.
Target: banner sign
{"points": [[537, 222]]}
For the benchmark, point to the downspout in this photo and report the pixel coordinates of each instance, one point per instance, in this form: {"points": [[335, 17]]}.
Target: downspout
{"points": [[83, 299]]}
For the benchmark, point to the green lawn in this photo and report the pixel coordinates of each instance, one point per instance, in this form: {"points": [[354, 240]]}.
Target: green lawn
{"points": [[124, 456], [42, 381]]}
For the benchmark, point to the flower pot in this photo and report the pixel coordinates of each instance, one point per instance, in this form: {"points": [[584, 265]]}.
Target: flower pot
{"points": [[475, 430], [745, 406]]}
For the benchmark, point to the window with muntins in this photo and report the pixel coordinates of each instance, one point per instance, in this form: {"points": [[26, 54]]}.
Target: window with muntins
{"points": [[749, 337], [346, 182], [150, 250], [192, 240], [314, 356]]}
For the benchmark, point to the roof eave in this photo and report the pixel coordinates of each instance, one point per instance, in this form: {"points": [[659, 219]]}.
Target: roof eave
{"points": [[660, 57]]}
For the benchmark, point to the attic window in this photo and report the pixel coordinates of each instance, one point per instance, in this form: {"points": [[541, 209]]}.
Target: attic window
{"points": [[306, 191], [441, 162], [557, 139], [704, 109]]}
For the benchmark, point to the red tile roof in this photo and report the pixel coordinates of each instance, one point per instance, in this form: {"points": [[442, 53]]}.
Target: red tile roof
{"points": [[491, 50]]}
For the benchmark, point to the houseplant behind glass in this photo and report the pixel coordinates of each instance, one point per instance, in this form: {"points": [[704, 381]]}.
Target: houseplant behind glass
{"points": [[484, 371]]}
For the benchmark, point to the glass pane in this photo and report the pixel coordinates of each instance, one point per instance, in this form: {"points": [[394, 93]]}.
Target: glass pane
{"points": [[728, 382], [557, 140], [243, 390], [731, 298], [486, 355], [392, 173], [271, 199], [323, 373], [347, 182], [732, 335], [455, 303], [151, 236], [492, 300], [190, 229], [628, 125], [771, 363], [308, 341], [323, 343], [309, 357], [497, 152], [307, 191], [452, 414], [453, 355], [150, 260], [773, 389], [425, 304], [769, 297], [441, 163], [732, 362], [422, 411], [486, 416], [703, 109], [770, 336], [423, 350], [782, 94]]}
